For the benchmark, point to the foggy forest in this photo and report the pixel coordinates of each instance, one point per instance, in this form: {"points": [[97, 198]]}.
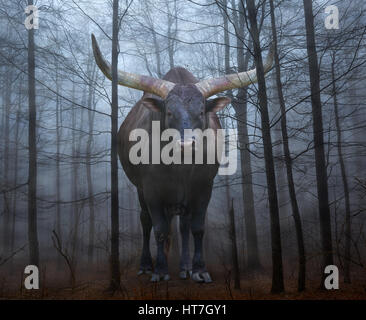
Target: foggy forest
{"points": [[296, 202]]}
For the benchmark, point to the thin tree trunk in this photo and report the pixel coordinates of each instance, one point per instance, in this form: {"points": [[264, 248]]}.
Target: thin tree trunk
{"points": [[241, 112], [115, 271], [6, 223], [32, 144], [277, 268], [234, 245], [91, 116], [320, 165], [74, 188], [157, 54], [16, 141], [58, 174], [232, 227], [170, 36], [229, 201], [288, 161], [347, 248]]}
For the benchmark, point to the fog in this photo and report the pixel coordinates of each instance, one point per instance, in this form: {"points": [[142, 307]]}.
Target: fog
{"points": [[73, 136]]}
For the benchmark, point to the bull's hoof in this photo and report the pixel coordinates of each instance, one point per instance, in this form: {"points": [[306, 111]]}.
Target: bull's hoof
{"points": [[184, 274], [143, 271], [157, 277], [206, 277], [196, 277], [166, 277], [201, 277]]}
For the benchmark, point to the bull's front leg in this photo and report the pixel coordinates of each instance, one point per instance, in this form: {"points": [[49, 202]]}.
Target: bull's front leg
{"points": [[161, 226], [184, 226], [146, 261], [146, 265]]}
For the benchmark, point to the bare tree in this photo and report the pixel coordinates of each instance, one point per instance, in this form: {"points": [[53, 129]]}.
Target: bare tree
{"points": [[288, 160], [234, 245], [6, 195], [91, 116], [115, 271], [240, 104], [32, 144], [320, 165], [277, 268], [172, 30], [347, 248], [58, 221], [16, 164]]}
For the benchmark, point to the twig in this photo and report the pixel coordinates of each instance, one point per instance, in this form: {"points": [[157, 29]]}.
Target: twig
{"points": [[3, 261], [57, 244]]}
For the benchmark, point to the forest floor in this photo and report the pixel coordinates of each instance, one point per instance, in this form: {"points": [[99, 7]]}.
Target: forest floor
{"points": [[93, 285]]}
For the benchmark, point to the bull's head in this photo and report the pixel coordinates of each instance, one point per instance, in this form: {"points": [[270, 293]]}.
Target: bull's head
{"points": [[182, 106]]}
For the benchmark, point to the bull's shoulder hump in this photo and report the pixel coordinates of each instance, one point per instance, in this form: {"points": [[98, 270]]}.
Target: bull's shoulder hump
{"points": [[180, 75]]}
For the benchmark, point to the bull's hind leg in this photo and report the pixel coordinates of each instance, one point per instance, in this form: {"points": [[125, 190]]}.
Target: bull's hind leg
{"points": [[184, 226], [146, 265], [199, 272]]}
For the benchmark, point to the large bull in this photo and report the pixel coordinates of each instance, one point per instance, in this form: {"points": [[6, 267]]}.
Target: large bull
{"points": [[178, 101]]}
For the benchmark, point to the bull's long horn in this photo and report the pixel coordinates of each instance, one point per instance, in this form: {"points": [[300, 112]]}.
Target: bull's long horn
{"points": [[148, 84], [210, 87]]}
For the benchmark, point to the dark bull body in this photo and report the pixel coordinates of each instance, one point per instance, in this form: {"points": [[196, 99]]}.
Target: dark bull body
{"points": [[165, 190], [179, 102]]}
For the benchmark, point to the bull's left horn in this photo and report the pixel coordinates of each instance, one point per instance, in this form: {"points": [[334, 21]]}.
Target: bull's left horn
{"points": [[210, 87], [148, 84]]}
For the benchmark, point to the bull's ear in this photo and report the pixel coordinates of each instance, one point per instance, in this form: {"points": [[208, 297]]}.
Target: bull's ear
{"points": [[156, 105], [215, 105]]}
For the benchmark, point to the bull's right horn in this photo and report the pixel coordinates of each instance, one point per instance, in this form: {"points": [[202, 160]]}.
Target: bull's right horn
{"points": [[148, 84]]}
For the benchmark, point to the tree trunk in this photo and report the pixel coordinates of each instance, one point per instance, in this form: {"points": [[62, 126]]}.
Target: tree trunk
{"points": [[234, 246], [170, 36], [16, 140], [232, 228], [347, 248], [58, 173], [240, 105], [115, 272], [277, 269], [91, 116], [320, 165], [6, 222], [74, 188], [32, 144], [288, 161]]}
